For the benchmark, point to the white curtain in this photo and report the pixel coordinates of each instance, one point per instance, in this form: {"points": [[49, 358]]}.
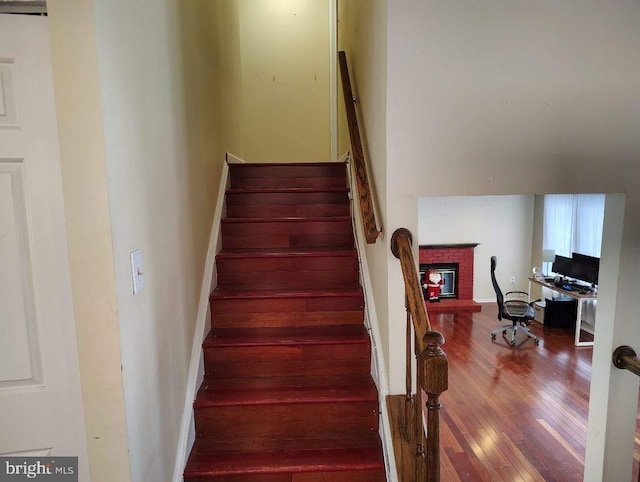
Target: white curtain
{"points": [[573, 223]]}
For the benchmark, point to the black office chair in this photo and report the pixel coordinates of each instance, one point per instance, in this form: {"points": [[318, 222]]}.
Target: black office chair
{"points": [[518, 311]]}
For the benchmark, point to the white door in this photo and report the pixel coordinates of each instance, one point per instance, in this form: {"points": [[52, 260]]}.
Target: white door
{"points": [[40, 399]]}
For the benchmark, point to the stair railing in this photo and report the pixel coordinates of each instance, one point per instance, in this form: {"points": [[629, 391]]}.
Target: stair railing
{"points": [[625, 358], [365, 198], [432, 367]]}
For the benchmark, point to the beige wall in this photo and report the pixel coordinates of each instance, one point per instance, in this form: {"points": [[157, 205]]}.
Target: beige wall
{"points": [[284, 80], [345, 41], [163, 154], [142, 116], [499, 98], [362, 35], [503, 225], [77, 90]]}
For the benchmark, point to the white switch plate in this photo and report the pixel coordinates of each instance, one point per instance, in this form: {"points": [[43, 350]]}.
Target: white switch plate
{"points": [[136, 271]]}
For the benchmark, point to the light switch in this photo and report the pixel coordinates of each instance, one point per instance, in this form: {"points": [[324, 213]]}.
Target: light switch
{"points": [[136, 271]]}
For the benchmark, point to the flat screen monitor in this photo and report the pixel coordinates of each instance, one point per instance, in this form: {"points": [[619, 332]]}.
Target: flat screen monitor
{"points": [[586, 268], [562, 265]]}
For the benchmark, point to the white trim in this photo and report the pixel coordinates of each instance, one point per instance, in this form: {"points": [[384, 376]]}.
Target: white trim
{"points": [[231, 159], [333, 77], [345, 158], [371, 321], [196, 370]]}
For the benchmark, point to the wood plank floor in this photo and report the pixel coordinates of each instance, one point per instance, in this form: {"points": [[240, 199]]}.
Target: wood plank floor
{"points": [[510, 414]]}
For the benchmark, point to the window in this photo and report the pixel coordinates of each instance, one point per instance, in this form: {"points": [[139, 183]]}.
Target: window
{"points": [[573, 223]]}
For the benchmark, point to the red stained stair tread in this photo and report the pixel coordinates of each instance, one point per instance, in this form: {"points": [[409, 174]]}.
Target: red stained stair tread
{"points": [[337, 454], [310, 335], [285, 390]]}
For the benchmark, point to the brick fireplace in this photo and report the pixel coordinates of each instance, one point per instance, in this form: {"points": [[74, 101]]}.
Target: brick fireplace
{"points": [[460, 255]]}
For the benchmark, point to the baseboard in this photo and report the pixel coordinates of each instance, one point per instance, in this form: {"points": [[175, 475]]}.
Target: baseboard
{"points": [[485, 300], [203, 322]]}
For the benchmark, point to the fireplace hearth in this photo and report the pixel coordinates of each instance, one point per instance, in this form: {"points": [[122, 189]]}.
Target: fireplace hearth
{"points": [[455, 263]]}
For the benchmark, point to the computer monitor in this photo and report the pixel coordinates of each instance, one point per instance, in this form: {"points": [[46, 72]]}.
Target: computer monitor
{"points": [[585, 268], [563, 265]]}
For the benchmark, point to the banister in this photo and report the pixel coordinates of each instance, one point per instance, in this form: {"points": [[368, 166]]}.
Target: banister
{"points": [[432, 367], [365, 198], [401, 248], [624, 357]]}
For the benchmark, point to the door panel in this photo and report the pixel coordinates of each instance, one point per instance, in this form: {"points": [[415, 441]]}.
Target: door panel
{"points": [[19, 340], [40, 399]]}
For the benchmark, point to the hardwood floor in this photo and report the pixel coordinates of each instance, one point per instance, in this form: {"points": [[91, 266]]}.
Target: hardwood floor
{"points": [[510, 414]]}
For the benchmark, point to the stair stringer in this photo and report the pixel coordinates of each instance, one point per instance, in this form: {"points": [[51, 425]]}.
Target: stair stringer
{"points": [[186, 435], [378, 371]]}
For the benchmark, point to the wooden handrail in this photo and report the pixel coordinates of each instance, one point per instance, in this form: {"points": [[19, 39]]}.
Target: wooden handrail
{"points": [[401, 242], [432, 366], [371, 231], [624, 357]]}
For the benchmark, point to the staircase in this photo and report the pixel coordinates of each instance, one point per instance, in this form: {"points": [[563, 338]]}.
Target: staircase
{"points": [[287, 394]]}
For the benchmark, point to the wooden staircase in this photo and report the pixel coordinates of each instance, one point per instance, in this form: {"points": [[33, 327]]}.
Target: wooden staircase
{"points": [[288, 394]]}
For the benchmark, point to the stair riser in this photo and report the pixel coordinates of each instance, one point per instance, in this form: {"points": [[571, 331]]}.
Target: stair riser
{"points": [[289, 211], [257, 266], [322, 272], [289, 182], [289, 360], [358, 442], [286, 198], [275, 228], [373, 475], [283, 234], [290, 171], [288, 241], [309, 304], [273, 320], [286, 280], [293, 311], [287, 420]]}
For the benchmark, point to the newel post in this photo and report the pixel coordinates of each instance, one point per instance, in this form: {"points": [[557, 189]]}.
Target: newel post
{"points": [[433, 373]]}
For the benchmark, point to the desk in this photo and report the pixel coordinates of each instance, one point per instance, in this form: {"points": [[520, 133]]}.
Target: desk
{"points": [[573, 294]]}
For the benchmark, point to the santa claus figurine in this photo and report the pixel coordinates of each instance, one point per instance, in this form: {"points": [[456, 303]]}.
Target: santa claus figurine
{"points": [[433, 283]]}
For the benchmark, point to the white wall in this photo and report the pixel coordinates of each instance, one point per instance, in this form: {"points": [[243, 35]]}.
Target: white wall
{"points": [[500, 97], [163, 157], [503, 225]]}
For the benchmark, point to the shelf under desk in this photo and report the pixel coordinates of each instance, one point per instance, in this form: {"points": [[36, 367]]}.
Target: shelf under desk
{"points": [[573, 294]]}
